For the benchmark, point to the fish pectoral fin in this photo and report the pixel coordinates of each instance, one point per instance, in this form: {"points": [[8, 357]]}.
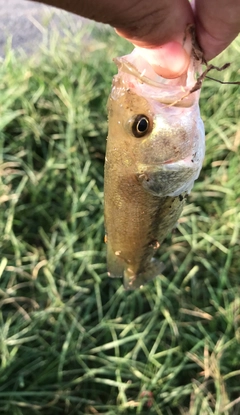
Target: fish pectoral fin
{"points": [[136, 280], [169, 180]]}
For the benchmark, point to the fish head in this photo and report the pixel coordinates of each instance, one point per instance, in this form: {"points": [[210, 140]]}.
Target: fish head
{"points": [[157, 125]]}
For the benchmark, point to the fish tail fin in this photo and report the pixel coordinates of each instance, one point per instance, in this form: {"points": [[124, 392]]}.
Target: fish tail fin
{"points": [[133, 281]]}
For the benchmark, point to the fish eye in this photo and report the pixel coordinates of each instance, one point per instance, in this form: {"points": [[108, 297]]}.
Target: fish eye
{"points": [[140, 126]]}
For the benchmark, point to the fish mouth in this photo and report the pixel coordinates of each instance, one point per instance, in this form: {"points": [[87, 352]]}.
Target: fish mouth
{"points": [[138, 75]]}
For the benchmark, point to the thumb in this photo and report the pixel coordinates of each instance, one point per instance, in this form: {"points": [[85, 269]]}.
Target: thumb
{"points": [[169, 61], [159, 35]]}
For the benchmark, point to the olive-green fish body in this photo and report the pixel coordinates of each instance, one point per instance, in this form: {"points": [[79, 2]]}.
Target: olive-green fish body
{"points": [[154, 154]]}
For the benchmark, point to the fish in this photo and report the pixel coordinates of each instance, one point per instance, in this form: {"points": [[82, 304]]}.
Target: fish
{"points": [[154, 153]]}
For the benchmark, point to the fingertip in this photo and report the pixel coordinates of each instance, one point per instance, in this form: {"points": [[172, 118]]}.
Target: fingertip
{"points": [[169, 61]]}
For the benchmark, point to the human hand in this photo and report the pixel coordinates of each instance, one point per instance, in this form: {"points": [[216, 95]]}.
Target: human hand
{"points": [[158, 26], [217, 24]]}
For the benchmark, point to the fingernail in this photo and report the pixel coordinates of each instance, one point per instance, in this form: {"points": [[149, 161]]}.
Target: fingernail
{"points": [[169, 61]]}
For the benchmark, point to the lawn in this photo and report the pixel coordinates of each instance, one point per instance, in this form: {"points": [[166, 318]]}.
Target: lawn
{"points": [[73, 341]]}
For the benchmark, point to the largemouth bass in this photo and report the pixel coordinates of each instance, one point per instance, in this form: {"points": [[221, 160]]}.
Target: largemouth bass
{"points": [[155, 150]]}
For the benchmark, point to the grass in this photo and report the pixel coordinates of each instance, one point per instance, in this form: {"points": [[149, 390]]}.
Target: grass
{"points": [[71, 340]]}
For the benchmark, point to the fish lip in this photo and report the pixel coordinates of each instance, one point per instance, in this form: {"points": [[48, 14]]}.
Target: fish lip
{"points": [[170, 92], [130, 65]]}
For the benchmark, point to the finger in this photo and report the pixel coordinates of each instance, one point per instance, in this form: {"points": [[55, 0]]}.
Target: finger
{"points": [[154, 23], [217, 24], [169, 61], [159, 34]]}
